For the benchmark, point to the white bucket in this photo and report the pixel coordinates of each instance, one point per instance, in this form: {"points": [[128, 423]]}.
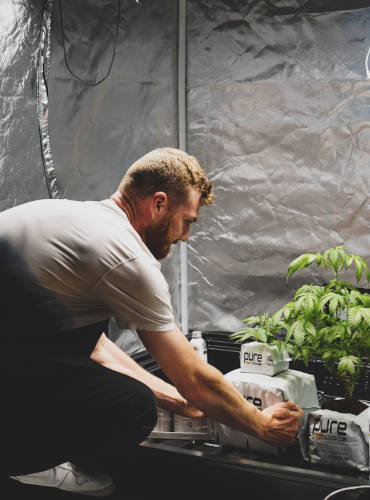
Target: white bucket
{"points": [[184, 424], [163, 422]]}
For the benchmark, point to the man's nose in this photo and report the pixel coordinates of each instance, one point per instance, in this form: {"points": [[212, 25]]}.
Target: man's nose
{"points": [[185, 235]]}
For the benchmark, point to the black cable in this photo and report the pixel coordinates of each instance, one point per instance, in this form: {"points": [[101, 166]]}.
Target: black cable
{"points": [[87, 82]]}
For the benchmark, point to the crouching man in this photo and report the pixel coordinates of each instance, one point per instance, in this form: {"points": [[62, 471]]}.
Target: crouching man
{"points": [[75, 396]]}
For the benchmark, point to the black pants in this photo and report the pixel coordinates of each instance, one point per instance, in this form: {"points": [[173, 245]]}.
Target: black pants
{"points": [[56, 403]]}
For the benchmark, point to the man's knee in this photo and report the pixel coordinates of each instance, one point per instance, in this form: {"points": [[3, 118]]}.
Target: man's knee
{"points": [[131, 404], [145, 407]]}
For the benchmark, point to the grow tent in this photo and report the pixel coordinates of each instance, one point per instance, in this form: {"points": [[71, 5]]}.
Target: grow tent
{"points": [[272, 97]]}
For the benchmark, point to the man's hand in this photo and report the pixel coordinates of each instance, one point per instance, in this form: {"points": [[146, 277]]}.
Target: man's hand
{"points": [[281, 422], [190, 411]]}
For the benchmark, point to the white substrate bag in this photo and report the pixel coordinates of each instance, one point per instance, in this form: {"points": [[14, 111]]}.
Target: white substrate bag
{"points": [[264, 391], [257, 357], [338, 439]]}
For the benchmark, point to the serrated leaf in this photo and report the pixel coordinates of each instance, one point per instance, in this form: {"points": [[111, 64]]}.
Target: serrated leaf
{"points": [[252, 319], [358, 266], [365, 313], [300, 263], [318, 258], [325, 261], [365, 299], [260, 334], [296, 264], [365, 267], [238, 333], [311, 258], [333, 304], [349, 260], [367, 271], [346, 365], [298, 332], [241, 333], [355, 297], [325, 298], [342, 257], [310, 328], [288, 335], [354, 316], [334, 258]]}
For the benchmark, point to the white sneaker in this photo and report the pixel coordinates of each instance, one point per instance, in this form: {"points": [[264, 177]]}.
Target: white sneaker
{"points": [[69, 477]]}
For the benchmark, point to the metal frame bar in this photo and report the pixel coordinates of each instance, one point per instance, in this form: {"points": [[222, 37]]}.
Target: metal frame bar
{"points": [[181, 113]]}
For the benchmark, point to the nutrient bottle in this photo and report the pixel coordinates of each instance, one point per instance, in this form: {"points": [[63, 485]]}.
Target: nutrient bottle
{"points": [[199, 344]]}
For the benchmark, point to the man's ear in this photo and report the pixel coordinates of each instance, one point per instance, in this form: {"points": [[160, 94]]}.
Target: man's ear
{"points": [[159, 204]]}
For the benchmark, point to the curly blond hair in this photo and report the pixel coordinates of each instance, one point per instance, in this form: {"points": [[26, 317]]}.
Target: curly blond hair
{"points": [[170, 170]]}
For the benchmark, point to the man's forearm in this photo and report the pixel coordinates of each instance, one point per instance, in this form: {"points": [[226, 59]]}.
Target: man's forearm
{"points": [[277, 424], [109, 355], [219, 400]]}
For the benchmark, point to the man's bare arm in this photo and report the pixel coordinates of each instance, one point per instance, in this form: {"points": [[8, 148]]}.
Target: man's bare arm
{"points": [[108, 354], [207, 389]]}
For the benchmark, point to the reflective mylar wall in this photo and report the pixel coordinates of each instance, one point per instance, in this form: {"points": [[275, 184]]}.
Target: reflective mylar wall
{"points": [[279, 115], [112, 98], [21, 169]]}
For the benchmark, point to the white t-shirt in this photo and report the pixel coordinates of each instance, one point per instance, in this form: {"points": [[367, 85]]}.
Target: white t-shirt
{"points": [[89, 255]]}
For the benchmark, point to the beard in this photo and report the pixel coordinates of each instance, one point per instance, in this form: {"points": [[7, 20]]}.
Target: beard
{"points": [[158, 237]]}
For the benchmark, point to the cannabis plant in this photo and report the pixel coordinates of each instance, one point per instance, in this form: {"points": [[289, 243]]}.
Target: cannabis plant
{"points": [[263, 328], [331, 321]]}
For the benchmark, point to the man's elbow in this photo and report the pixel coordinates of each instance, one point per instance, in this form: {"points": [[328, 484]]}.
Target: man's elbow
{"points": [[199, 385]]}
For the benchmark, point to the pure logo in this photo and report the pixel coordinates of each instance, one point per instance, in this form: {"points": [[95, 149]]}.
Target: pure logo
{"points": [[252, 358], [327, 428], [255, 401]]}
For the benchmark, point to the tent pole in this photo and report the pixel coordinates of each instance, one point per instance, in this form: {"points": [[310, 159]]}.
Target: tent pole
{"points": [[181, 113]]}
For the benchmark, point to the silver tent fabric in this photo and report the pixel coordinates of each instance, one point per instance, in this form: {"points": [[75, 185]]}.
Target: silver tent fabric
{"points": [[279, 116], [21, 169], [112, 98]]}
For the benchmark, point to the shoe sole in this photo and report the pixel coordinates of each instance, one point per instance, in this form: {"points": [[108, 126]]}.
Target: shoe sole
{"points": [[103, 492]]}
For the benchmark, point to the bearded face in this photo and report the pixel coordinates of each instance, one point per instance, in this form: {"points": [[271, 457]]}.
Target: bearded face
{"points": [[159, 237]]}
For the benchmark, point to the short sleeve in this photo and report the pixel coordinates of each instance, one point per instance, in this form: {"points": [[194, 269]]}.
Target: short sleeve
{"points": [[137, 294]]}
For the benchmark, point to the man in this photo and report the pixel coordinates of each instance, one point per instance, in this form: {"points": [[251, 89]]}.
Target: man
{"points": [[100, 259]]}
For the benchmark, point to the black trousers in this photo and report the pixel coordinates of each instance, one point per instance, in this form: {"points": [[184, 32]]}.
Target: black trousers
{"points": [[57, 404]]}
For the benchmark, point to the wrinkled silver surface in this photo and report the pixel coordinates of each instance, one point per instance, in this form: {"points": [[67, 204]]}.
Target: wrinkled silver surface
{"points": [[112, 98], [279, 116], [21, 170]]}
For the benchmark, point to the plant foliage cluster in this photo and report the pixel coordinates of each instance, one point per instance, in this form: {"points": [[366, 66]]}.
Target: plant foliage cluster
{"points": [[331, 322]]}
